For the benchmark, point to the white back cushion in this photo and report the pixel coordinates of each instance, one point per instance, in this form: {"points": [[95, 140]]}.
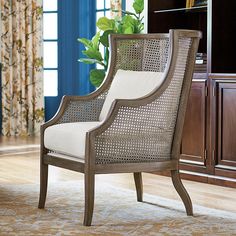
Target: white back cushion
{"points": [[130, 85]]}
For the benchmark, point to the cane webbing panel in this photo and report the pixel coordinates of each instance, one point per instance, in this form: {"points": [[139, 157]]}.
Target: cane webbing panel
{"points": [[155, 54], [129, 54], [145, 133], [139, 54], [77, 111]]}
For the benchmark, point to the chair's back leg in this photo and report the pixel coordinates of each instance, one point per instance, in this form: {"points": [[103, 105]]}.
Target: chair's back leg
{"points": [[139, 186], [89, 198], [43, 184], [182, 192]]}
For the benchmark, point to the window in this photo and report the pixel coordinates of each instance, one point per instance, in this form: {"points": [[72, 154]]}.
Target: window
{"points": [[50, 47], [103, 9]]}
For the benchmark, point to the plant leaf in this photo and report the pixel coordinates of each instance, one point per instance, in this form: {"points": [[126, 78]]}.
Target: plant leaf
{"points": [[106, 58], [96, 40], [93, 54], [138, 6], [119, 29], [97, 76], [105, 24], [138, 26], [104, 38], [90, 61], [128, 30], [128, 24], [87, 43]]}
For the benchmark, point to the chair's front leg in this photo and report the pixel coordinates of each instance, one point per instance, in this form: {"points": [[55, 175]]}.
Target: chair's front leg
{"points": [[182, 191], [43, 184], [89, 197], [139, 186]]}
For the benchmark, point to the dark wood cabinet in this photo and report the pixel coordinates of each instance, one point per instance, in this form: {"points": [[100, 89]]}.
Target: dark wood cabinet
{"points": [[208, 150]]}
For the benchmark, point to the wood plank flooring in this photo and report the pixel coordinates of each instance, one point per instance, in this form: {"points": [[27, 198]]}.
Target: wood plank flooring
{"points": [[22, 167]]}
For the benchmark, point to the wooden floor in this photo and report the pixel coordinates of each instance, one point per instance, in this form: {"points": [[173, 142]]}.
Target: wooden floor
{"points": [[19, 164]]}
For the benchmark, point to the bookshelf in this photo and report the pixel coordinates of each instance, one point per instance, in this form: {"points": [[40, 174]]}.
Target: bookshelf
{"points": [[186, 9], [175, 14], [208, 151]]}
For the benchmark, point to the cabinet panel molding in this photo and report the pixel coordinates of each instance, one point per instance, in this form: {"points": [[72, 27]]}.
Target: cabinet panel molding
{"points": [[226, 125], [194, 133]]}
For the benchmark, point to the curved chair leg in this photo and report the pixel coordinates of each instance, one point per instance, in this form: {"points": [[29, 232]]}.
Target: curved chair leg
{"points": [[182, 192], [43, 185], [89, 198], [139, 186]]}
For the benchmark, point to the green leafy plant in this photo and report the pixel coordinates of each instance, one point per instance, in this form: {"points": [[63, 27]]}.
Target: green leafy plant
{"points": [[129, 23]]}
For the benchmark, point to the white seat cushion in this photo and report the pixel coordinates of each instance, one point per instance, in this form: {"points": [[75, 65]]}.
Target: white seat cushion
{"points": [[130, 85], [68, 138]]}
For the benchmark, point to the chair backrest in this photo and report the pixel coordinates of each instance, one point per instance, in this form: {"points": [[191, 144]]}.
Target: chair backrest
{"points": [[157, 125]]}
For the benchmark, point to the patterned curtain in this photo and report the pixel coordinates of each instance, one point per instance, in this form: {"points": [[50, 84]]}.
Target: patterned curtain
{"points": [[116, 7], [22, 73]]}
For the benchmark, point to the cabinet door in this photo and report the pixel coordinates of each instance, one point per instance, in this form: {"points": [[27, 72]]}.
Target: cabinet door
{"points": [[194, 132], [226, 125]]}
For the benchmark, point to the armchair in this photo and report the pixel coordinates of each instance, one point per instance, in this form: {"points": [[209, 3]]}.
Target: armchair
{"points": [[133, 123]]}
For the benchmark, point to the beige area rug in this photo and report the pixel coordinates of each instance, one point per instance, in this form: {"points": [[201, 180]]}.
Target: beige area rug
{"points": [[116, 213]]}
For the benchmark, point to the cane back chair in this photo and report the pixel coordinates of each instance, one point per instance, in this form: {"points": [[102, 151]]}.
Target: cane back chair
{"points": [[134, 135]]}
